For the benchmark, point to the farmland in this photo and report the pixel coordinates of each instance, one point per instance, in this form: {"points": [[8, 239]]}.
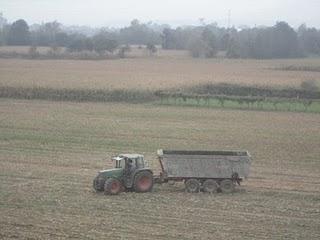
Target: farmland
{"points": [[165, 71], [138, 78], [50, 152]]}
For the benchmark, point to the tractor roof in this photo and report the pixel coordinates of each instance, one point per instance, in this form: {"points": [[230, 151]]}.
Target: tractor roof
{"points": [[131, 155]]}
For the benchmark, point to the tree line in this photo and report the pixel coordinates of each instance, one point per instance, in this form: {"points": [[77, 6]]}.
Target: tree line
{"points": [[278, 41], [207, 40]]}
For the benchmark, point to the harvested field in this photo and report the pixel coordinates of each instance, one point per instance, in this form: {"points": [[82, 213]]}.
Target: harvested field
{"points": [[50, 152], [162, 72]]}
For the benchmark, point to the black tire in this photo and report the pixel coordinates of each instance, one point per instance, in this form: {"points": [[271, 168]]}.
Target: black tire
{"points": [[210, 186], [227, 186], [192, 185], [143, 182], [98, 184], [112, 186]]}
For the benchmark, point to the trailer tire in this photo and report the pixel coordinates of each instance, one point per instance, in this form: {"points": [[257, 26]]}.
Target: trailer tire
{"points": [[192, 185], [210, 186], [112, 186], [227, 186], [143, 182]]}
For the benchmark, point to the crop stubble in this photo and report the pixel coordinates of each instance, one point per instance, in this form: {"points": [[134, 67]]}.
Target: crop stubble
{"points": [[51, 151]]}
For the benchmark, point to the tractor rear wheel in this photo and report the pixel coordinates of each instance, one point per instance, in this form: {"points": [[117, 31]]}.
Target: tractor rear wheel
{"points": [[143, 182], [227, 186], [192, 185], [210, 186], [112, 186]]}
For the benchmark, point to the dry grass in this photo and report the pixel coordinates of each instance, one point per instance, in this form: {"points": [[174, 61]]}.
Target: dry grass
{"points": [[160, 72], [50, 152]]}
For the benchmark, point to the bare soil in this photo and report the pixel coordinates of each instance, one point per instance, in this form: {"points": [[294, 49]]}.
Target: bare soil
{"points": [[51, 151]]}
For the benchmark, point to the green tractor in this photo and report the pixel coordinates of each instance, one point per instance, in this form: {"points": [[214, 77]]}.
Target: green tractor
{"points": [[130, 172]]}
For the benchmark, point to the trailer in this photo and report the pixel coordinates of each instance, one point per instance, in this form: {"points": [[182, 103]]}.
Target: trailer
{"points": [[209, 171]]}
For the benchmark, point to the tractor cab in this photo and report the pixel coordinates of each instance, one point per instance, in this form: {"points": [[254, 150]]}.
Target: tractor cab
{"points": [[130, 171], [126, 161]]}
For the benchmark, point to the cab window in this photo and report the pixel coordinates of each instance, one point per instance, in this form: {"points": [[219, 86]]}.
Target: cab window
{"points": [[120, 163], [140, 162]]}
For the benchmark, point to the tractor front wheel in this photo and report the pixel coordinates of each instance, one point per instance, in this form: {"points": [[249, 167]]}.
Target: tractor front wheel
{"points": [[143, 182], [112, 186], [98, 184]]}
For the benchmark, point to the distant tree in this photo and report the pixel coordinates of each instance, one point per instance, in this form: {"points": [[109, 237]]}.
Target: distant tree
{"points": [[2, 38], [203, 43], [224, 41], [52, 29], [102, 44], [135, 23], [19, 33], [279, 41], [123, 50], [152, 49], [76, 45], [79, 43], [49, 34], [3, 29], [210, 42], [285, 41], [139, 34], [197, 47], [61, 39], [88, 44], [309, 39], [233, 49], [167, 39], [246, 43], [178, 38], [263, 44]]}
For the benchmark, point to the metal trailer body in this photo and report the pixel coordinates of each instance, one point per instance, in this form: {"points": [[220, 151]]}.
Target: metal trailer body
{"points": [[204, 164]]}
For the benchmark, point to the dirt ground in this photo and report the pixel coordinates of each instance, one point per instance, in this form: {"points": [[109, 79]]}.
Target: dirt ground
{"points": [[51, 151]]}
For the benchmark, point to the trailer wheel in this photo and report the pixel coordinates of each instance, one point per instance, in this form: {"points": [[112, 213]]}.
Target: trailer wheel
{"points": [[112, 186], [227, 186], [98, 184], [192, 185], [210, 186], [143, 182]]}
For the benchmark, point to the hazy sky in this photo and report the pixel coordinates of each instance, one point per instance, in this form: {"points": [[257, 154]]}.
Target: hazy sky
{"points": [[98, 13]]}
